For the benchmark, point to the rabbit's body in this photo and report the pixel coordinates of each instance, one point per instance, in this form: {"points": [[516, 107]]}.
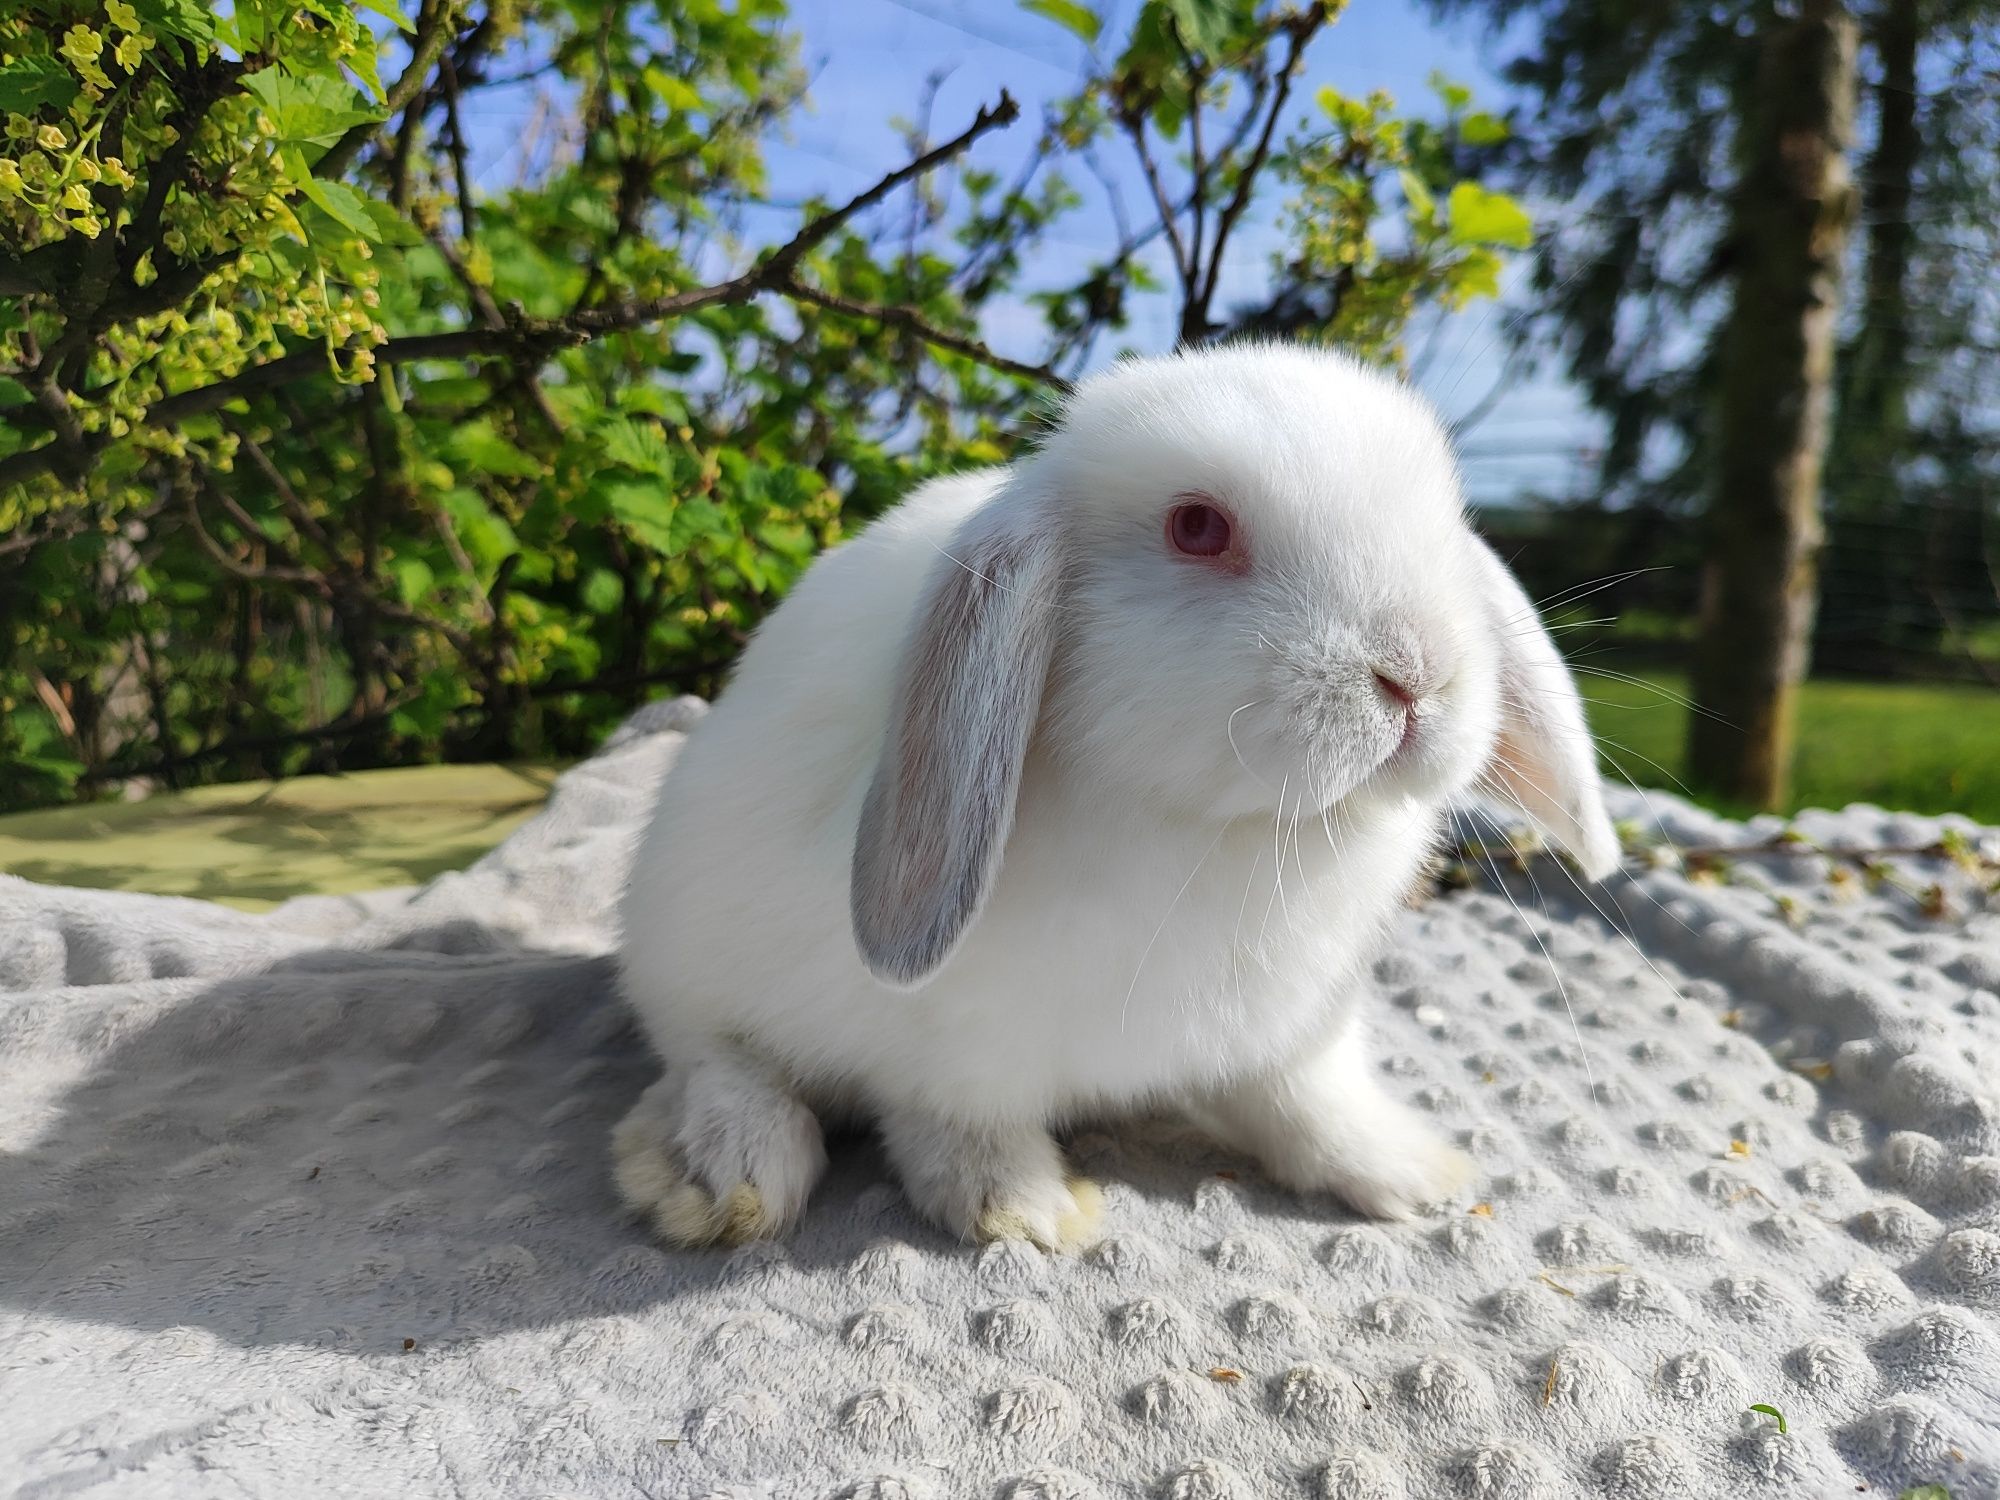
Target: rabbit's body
{"points": [[814, 927]]}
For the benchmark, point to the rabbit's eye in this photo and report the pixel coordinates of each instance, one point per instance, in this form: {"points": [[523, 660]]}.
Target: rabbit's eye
{"points": [[1198, 529]]}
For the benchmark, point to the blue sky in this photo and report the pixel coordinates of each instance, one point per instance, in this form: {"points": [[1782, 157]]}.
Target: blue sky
{"points": [[869, 61]]}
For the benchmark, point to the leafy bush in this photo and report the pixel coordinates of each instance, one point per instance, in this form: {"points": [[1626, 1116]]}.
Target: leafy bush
{"points": [[311, 457]]}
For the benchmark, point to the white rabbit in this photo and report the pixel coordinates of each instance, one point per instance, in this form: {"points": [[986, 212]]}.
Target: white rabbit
{"points": [[1084, 786]]}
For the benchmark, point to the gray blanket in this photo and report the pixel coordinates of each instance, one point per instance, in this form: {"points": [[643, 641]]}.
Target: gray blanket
{"points": [[315, 1202]]}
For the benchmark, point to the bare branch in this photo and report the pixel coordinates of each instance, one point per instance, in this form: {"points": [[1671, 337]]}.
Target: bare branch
{"points": [[909, 321], [1135, 129], [1299, 33], [461, 174], [786, 258]]}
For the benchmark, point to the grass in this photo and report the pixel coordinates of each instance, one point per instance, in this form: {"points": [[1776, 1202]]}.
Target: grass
{"points": [[1916, 747], [253, 844], [1921, 747]]}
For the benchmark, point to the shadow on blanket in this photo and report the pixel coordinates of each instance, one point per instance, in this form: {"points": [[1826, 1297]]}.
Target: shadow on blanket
{"points": [[340, 1160]]}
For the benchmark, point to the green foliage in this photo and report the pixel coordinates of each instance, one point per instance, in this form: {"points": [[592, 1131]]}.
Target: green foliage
{"points": [[312, 457], [1080, 19], [1449, 239]]}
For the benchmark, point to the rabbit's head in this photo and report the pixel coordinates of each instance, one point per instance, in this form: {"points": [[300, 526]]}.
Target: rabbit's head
{"points": [[1233, 583]]}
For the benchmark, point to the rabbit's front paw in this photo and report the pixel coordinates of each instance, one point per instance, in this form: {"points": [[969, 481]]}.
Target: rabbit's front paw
{"points": [[1325, 1126], [1059, 1216], [983, 1183], [1392, 1179], [717, 1154]]}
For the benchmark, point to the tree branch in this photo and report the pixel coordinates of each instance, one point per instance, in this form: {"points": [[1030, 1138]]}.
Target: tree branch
{"points": [[434, 29], [908, 321], [780, 265], [1299, 32], [461, 174], [1135, 127], [537, 338]]}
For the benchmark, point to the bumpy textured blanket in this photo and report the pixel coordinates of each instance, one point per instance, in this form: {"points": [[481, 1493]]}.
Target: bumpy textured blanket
{"points": [[316, 1202]]}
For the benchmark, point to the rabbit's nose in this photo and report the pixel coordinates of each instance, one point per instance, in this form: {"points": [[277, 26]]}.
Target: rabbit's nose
{"points": [[1395, 689]]}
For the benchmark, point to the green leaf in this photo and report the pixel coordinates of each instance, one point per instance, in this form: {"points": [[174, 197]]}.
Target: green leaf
{"points": [[314, 110], [1419, 197], [1205, 25], [695, 521], [676, 93], [390, 10], [1772, 1411], [187, 19], [1455, 95], [1350, 114], [12, 392], [1481, 217], [414, 579], [488, 538], [28, 84], [391, 228], [343, 204], [1477, 275], [787, 538], [1925, 1492], [602, 591], [1069, 15], [637, 445], [669, 406], [1483, 129], [478, 447], [644, 508], [367, 67], [451, 390]]}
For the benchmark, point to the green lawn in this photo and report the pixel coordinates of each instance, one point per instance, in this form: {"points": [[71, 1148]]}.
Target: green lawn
{"points": [[1921, 747], [255, 843]]}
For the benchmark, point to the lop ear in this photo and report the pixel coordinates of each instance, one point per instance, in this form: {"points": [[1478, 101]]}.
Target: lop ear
{"points": [[1544, 759], [939, 810]]}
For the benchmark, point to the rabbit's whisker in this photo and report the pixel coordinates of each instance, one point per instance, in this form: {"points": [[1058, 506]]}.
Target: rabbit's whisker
{"points": [[1278, 854], [1586, 589], [1229, 733], [1555, 972], [1166, 917]]}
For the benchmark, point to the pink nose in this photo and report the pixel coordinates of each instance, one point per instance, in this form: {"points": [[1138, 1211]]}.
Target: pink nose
{"points": [[1396, 690]]}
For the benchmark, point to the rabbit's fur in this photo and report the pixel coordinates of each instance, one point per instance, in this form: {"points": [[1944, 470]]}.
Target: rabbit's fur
{"points": [[1015, 814]]}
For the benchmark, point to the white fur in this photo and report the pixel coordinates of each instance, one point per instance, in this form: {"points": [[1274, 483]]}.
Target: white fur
{"points": [[1177, 918]]}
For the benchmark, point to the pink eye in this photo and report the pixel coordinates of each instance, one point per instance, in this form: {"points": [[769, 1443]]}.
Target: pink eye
{"points": [[1198, 529]]}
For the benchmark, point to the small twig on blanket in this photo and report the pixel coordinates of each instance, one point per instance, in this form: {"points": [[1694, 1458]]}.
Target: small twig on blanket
{"points": [[1547, 1280]]}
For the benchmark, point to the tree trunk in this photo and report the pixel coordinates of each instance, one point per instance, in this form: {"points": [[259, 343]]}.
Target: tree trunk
{"points": [[1789, 222], [1875, 382], [1872, 584]]}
